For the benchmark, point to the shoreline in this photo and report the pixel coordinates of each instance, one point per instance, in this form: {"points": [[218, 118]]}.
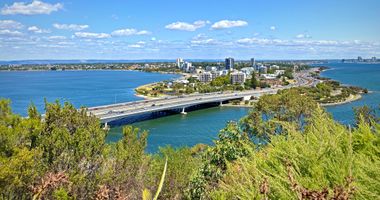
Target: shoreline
{"points": [[350, 99]]}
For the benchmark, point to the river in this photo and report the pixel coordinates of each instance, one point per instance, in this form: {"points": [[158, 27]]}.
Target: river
{"points": [[92, 88]]}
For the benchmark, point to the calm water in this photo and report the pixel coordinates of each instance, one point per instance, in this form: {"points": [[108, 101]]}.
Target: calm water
{"points": [[363, 75], [92, 88], [201, 126], [82, 88]]}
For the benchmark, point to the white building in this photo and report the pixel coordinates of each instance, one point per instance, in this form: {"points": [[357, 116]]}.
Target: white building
{"points": [[263, 69], [279, 72], [237, 77], [215, 74], [247, 70], [186, 67], [183, 81], [179, 62], [211, 68], [274, 67], [205, 77], [268, 76]]}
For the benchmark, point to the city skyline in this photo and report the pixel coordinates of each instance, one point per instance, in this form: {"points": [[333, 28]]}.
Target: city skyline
{"points": [[62, 29]]}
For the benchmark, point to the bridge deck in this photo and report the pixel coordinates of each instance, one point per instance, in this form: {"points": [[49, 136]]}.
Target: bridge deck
{"points": [[108, 113], [113, 112]]}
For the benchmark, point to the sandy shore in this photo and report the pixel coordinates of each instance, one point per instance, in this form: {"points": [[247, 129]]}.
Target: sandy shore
{"points": [[351, 98]]}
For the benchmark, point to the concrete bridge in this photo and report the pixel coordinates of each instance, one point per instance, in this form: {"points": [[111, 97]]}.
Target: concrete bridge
{"points": [[113, 112]]}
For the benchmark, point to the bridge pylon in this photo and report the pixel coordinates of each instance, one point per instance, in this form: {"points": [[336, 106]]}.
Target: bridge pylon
{"points": [[106, 127], [183, 111]]}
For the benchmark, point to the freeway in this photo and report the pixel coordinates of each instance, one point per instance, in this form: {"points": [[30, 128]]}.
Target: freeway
{"points": [[118, 111], [112, 112]]}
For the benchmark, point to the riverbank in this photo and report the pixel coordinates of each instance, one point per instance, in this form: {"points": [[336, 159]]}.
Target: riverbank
{"points": [[310, 77], [351, 98]]}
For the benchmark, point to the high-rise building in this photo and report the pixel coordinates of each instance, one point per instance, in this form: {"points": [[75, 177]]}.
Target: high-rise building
{"points": [[179, 62], [360, 59], [238, 78], [230, 63], [205, 77], [263, 70], [215, 74], [253, 62], [374, 59], [186, 66]]}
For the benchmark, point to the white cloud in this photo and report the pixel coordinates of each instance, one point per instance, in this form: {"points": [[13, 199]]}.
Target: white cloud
{"points": [[134, 46], [228, 24], [129, 31], [279, 42], [303, 36], [153, 39], [184, 26], [35, 29], [72, 27], [57, 37], [36, 7], [260, 41], [10, 33], [204, 41], [92, 35], [10, 24], [273, 28]]}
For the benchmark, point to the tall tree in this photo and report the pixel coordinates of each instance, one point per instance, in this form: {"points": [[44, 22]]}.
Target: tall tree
{"points": [[254, 81]]}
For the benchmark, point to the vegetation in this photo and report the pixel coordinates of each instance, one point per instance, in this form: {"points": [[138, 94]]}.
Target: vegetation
{"points": [[219, 84], [330, 92], [325, 161], [287, 147], [65, 156], [253, 82]]}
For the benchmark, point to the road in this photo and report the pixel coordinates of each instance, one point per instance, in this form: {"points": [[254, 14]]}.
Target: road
{"points": [[113, 112]]}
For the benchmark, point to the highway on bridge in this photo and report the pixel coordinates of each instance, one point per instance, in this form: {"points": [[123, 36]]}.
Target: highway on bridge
{"points": [[113, 112], [118, 111]]}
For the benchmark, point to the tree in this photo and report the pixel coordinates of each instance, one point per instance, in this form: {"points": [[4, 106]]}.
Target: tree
{"points": [[288, 73], [268, 114], [254, 83], [325, 160], [220, 81], [366, 114], [231, 146]]}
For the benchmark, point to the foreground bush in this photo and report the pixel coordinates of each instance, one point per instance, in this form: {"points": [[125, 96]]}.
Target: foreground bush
{"points": [[64, 155], [285, 148], [325, 161]]}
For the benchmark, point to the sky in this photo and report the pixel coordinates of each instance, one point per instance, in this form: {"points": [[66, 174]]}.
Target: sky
{"points": [[192, 29]]}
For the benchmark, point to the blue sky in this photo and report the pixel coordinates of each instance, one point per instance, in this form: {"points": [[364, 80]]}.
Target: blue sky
{"points": [[197, 29]]}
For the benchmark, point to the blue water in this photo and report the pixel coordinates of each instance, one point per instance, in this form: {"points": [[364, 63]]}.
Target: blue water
{"points": [[82, 88], [201, 126], [91, 88], [362, 75]]}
